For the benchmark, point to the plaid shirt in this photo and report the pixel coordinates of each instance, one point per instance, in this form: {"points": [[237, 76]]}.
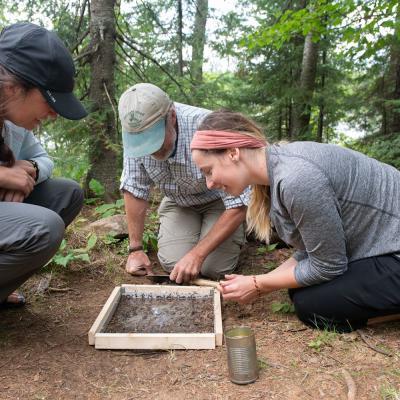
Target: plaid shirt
{"points": [[178, 177]]}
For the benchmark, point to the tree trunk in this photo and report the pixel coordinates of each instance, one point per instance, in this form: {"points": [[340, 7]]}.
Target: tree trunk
{"points": [[280, 119], [302, 109], [104, 136], [180, 39], [320, 130], [390, 85], [199, 39]]}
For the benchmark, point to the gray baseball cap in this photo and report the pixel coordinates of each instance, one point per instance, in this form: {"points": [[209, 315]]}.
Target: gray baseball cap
{"points": [[39, 56], [142, 111]]}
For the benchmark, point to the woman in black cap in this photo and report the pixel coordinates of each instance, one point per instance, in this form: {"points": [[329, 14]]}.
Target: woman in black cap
{"points": [[36, 83]]}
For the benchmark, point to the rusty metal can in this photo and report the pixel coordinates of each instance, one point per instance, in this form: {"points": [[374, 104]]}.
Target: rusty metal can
{"points": [[242, 356]]}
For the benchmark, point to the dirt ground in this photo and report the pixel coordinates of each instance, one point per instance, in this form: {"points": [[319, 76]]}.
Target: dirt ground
{"points": [[44, 351]]}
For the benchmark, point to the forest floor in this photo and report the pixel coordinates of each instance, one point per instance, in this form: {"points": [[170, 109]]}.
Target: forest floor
{"points": [[44, 351]]}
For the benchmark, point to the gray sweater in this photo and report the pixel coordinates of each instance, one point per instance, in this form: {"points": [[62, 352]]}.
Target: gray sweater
{"points": [[333, 205]]}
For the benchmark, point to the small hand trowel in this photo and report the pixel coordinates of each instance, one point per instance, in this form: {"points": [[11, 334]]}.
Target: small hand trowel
{"points": [[197, 282]]}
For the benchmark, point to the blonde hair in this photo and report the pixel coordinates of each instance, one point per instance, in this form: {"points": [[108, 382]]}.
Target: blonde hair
{"points": [[257, 216]]}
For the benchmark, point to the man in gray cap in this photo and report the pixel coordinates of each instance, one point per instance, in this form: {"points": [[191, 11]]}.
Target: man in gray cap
{"points": [[201, 230]]}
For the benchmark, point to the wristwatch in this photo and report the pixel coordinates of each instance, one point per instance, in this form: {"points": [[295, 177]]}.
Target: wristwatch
{"points": [[36, 166], [133, 249]]}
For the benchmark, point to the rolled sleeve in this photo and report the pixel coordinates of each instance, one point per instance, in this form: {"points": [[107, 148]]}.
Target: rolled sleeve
{"points": [[135, 180], [299, 255], [235, 202]]}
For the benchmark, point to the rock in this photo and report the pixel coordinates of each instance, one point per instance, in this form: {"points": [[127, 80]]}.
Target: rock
{"points": [[115, 226]]}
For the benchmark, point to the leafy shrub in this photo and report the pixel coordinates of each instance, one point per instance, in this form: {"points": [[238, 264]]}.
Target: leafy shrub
{"points": [[65, 254], [109, 209]]}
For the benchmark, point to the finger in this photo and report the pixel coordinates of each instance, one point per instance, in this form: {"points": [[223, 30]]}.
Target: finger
{"points": [[2, 193], [231, 276], [173, 274], [229, 296], [9, 195], [150, 272], [14, 196], [181, 276], [136, 272], [19, 197]]}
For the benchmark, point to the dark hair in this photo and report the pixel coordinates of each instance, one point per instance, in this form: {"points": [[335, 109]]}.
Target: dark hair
{"points": [[7, 77]]}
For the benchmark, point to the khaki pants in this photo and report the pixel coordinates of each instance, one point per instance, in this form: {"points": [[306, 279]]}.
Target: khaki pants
{"points": [[182, 227]]}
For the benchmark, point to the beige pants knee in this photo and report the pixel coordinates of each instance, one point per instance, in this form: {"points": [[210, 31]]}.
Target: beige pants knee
{"points": [[182, 227]]}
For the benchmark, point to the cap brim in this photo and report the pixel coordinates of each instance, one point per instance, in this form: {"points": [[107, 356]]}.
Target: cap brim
{"points": [[139, 144], [65, 104]]}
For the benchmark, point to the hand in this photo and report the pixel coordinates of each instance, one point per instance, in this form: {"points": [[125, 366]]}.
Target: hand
{"points": [[138, 264], [187, 268], [238, 288], [26, 166], [16, 178], [11, 195]]}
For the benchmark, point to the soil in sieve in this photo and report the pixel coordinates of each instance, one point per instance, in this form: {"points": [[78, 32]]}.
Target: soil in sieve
{"points": [[172, 314]]}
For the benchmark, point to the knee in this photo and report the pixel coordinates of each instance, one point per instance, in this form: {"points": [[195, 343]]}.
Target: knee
{"points": [[49, 234], [166, 264], [76, 198], [40, 238], [213, 271], [56, 228], [303, 306], [312, 311], [77, 195]]}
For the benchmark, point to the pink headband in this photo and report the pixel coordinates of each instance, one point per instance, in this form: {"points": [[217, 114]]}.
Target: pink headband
{"points": [[206, 140]]}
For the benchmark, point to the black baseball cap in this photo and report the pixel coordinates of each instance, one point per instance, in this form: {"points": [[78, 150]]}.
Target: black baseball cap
{"points": [[39, 57]]}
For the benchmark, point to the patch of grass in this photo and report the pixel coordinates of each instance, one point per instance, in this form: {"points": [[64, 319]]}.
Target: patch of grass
{"points": [[284, 308], [262, 364], [389, 393], [323, 339]]}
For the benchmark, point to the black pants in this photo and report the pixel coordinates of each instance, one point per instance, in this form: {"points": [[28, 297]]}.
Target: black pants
{"points": [[369, 288]]}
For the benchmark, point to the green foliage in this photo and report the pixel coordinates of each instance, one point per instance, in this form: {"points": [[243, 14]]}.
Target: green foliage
{"points": [[262, 364], [383, 148], [266, 249], [263, 42], [66, 255], [109, 209], [110, 239], [150, 241], [323, 339], [96, 187], [388, 392], [284, 308], [269, 266]]}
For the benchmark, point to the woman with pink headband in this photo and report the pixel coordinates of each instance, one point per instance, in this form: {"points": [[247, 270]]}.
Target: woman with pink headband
{"points": [[338, 209]]}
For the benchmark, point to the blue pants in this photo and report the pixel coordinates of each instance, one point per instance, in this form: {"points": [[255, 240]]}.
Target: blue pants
{"points": [[31, 232], [369, 288]]}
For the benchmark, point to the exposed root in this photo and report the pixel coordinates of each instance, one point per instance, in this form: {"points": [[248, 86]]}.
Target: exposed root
{"points": [[371, 346], [351, 386]]}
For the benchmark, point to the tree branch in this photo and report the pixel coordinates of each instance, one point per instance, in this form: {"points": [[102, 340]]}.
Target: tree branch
{"points": [[154, 61]]}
